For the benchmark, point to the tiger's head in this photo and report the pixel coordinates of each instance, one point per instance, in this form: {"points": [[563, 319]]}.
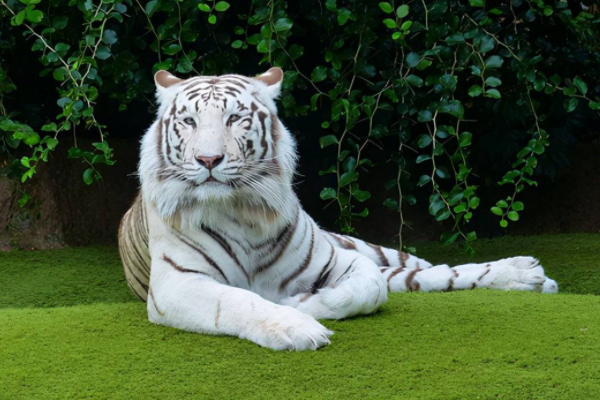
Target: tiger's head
{"points": [[217, 141]]}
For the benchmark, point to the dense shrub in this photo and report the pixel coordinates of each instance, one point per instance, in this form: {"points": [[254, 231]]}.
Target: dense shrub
{"points": [[440, 97]]}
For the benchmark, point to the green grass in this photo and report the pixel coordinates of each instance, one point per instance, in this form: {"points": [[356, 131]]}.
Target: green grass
{"points": [[69, 328]]}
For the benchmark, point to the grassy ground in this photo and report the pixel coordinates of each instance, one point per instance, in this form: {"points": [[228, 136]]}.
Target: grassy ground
{"points": [[69, 328]]}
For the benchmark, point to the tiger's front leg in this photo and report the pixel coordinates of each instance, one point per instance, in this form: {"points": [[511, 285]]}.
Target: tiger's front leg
{"points": [[191, 297], [355, 286]]}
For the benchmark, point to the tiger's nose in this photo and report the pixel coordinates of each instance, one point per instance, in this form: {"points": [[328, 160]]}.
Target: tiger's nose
{"points": [[210, 162]]}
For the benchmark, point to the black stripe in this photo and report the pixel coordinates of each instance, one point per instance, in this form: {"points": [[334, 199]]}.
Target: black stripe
{"points": [[324, 275], [227, 247], [285, 237], [195, 246], [347, 270], [304, 264]]}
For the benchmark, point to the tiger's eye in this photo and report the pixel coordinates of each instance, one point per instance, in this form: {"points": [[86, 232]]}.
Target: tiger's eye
{"points": [[233, 118], [190, 121]]}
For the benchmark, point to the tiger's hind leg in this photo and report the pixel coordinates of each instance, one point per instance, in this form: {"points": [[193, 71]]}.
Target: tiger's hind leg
{"points": [[354, 286]]}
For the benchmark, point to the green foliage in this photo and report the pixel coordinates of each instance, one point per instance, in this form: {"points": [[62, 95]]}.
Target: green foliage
{"points": [[406, 90]]}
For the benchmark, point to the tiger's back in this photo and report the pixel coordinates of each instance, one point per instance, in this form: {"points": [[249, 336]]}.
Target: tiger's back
{"points": [[134, 249]]}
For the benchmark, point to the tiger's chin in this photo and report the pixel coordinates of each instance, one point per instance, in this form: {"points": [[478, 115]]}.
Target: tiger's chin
{"points": [[213, 190]]}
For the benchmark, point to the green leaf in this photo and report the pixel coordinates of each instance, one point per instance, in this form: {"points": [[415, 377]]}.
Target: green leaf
{"points": [[62, 48], [20, 17], [319, 74], [34, 16], [237, 44], [103, 52], [497, 210], [51, 127], [412, 60], [423, 157], [474, 202], [109, 37], [571, 104], [171, 49], [361, 195], [424, 180], [465, 139], [461, 208], [453, 107], [502, 204], [222, 6], [425, 116], [88, 176], [580, 85], [330, 170], [406, 25], [424, 141], [493, 93], [51, 143], [442, 172], [475, 91], [348, 178], [362, 214], [62, 102], [504, 223], [455, 39], [390, 23], [59, 74], [477, 3], [423, 64], [152, 6], [443, 216], [283, 24], [493, 82], [392, 204], [414, 80], [328, 194], [204, 7], [386, 7], [448, 82], [518, 206], [494, 62], [402, 11], [594, 105], [349, 164], [343, 15], [212, 19], [449, 238], [328, 140], [513, 216]]}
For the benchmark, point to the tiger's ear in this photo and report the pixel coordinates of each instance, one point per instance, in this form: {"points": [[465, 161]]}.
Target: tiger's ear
{"points": [[272, 78], [165, 80]]}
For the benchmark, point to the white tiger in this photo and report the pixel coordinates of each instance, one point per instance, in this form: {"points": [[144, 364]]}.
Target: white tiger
{"points": [[218, 243]]}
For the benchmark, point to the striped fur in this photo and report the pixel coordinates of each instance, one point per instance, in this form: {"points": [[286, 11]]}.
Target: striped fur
{"points": [[217, 241]]}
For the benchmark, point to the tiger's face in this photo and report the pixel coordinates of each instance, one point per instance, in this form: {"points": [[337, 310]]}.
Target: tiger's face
{"points": [[219, 137]]}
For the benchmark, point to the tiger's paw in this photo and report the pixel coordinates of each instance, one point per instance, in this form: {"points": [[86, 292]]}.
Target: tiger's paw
{"points": [[288, 329], [520, 273]]}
